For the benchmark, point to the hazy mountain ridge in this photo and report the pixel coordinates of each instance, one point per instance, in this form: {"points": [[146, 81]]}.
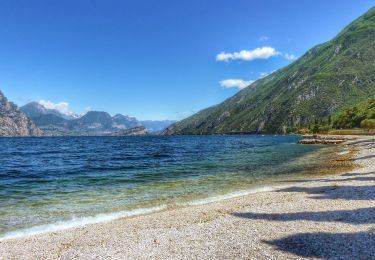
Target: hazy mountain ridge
{"points": [[327, 79], [54, 123], [155, 126], [13, 122]]}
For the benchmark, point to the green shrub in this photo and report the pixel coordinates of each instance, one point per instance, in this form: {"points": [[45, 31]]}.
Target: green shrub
{"points": [[304, 131], [324, 129], [368, 124]]}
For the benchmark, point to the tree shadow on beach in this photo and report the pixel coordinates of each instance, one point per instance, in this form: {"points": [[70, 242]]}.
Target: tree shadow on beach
{"points": [[363, 142], [357, 216], [363, 157], [359, 245], [365, 178], [336, 192], [352, 179], [323, 245], [350, 174]]}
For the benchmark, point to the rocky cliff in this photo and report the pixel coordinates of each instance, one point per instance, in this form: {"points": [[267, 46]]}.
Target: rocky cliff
{"points": [[13, 122]]}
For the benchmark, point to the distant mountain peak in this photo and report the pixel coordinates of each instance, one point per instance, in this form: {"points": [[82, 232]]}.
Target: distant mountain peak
{"points": [[62, 107]]}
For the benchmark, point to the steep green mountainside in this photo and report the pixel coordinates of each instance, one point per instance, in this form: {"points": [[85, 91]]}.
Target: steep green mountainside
{"points": [[327, 79]]}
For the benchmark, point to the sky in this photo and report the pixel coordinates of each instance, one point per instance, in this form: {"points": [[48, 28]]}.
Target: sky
{"points": [[155, 59]]}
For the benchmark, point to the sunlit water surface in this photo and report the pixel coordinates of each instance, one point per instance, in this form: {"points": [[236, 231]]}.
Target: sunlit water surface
{"points": [[53, 183]]}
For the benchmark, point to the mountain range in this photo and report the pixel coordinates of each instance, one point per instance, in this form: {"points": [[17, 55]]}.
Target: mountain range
{"points": [[325, 81], [54, 123]]}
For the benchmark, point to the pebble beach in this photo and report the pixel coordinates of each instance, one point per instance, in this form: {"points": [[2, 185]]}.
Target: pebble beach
{"points": [[322, 217]]}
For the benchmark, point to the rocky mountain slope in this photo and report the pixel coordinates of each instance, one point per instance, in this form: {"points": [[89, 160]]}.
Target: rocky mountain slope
{"points": [[326, 80], [139, 130], [155, 126], [34, 110], [14, 122]]}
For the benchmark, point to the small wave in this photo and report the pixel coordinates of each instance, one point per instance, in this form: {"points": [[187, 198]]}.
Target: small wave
{"points": [[77, 222], [228, 196], [343, 152]]}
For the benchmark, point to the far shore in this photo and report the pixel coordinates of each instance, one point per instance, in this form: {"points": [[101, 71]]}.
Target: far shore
{"points": [[319, 217]]}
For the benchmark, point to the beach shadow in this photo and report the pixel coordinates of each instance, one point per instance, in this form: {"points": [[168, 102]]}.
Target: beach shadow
{"points": [[356, 174], [333, 180], [357, 216], [363, 157], [336, 192], [363, 142], [359, 245], [352, 179]]}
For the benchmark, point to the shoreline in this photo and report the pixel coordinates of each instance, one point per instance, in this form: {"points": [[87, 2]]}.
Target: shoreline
{"points": [[267, 185], [94, 240]]}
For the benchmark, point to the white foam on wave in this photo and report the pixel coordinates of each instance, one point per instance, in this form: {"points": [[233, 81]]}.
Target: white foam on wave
{"points": [[228, 196], [101, 218], [77, 222], [343, 152]]}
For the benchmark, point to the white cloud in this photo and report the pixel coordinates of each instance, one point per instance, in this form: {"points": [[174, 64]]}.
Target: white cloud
{"points": [[289, 56], [263, 38], [258, 53], [62, 107], [87, 109], [235, 83]]}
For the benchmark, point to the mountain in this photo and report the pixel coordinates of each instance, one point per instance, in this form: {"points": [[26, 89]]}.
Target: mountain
{"points": [[102, 123], [93, 122], [34, 109], [54, 123], [126, 122], [14, 122], [155, 126], [139, 130], [326, 80]]}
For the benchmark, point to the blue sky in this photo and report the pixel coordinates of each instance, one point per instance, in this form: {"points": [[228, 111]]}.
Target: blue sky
{"points": [[155, 59]]}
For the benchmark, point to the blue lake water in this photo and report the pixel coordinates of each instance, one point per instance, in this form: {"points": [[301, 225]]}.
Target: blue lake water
{"points": [[53, 183]]}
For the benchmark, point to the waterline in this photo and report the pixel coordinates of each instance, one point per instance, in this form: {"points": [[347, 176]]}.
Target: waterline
{"points": [[108, 217], [78, 222]]}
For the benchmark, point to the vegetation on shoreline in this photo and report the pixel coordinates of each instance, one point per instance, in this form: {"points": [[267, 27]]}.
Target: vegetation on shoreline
{"points": [[358, 120]]}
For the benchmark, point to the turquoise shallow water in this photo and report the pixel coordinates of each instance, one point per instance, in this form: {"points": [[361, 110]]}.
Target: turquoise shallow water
{"points": [[53, 183]]}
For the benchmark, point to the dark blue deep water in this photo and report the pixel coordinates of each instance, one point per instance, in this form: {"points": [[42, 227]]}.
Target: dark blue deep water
{"points": [[48, 183]]}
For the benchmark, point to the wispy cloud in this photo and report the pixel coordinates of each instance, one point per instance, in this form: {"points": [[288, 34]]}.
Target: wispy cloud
{"points": [[62, 107], [263, 38], [248, 55], [289, 56], [235, 83]]}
